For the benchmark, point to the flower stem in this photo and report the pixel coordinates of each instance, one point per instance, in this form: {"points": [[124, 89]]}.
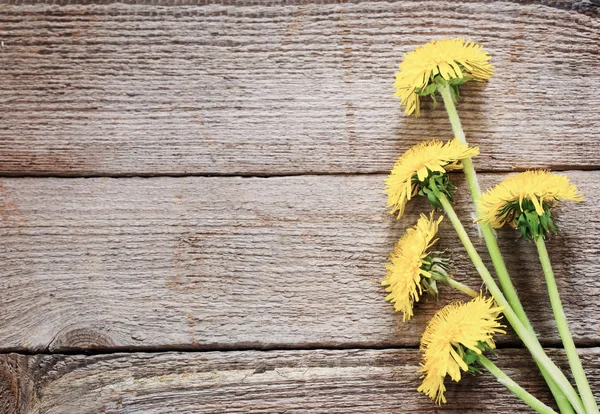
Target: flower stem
{"points": [[515, 388], [492, 244], [462, 287], [486, 230], [528, 338], [456, 285], [563, 329]]}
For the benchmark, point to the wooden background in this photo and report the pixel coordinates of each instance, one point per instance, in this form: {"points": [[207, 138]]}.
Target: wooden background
{"points": [[192, 216]]}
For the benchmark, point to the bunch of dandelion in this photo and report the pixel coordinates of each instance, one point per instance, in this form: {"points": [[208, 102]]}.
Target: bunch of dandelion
{"points": [[436, 186], [441, 67]]}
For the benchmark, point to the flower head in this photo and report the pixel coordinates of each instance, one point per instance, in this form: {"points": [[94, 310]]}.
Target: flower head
{"points": [[416, 165], [524, 200], [409, 263], [454, 60], [453, 339]]}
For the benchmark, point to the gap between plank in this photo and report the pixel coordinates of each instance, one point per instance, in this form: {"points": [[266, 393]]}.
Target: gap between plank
{"points": [[233, 348], [271, 175]]}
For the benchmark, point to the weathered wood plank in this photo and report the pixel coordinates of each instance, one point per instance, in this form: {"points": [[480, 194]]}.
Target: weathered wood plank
{"points": [[343, 381], [581, 6], [243, 88], [206, 263]]}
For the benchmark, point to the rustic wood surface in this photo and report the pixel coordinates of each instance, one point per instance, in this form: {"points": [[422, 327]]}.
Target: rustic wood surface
{"points": [[130, 89], [267, 287], [342, 381]]}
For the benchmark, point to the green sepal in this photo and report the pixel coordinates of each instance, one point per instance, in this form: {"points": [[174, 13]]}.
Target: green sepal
{"points": [[429, 286], [436, 265], [433, 200], [435, 182], [436, 81], [440, 80], [470, 357], [428, 90], [460, 81], [525, 217]]}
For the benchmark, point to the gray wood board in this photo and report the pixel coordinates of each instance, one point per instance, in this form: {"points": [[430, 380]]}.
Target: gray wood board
{"points": [[230, 262], [342, 381], [250, 89]]}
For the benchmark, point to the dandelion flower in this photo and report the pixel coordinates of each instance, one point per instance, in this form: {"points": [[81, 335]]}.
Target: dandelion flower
{"points": [[418, 163], [529, 191], [408, 264], [455, 335], [449, 58]]}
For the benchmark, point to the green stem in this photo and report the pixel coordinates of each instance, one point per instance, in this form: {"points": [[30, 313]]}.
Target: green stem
{"points": [[462, 287], [488, 233], [563, 329], [528, 338], [452, 114], [515, 388], [456, 285], [492, 245]]}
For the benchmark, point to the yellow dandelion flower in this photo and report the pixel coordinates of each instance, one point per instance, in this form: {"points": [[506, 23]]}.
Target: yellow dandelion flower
{"points": [[455, 331], [406, 262], [505, 202], [449, 58], [418, 162]]}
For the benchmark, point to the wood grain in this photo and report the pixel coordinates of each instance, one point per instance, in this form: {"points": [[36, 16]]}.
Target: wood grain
{"points": [[283, 88], [230, 262], [343, 381]]}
